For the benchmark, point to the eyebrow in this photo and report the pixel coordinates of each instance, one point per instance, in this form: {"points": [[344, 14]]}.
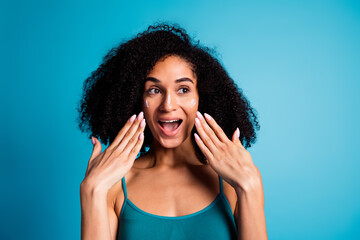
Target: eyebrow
{"points": [[155, 80]]}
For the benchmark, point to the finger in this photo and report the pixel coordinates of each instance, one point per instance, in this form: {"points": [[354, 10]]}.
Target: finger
{"points": [[216, 128], [133, 141], [208, 130], [122, 132], [236, 137], [96, 148], [136, 149], [205, 138], [95, 153], [130, 133], [203, 148]]}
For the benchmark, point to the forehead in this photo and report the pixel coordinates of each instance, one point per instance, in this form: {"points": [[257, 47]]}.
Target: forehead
{"points": [[171, 68]]}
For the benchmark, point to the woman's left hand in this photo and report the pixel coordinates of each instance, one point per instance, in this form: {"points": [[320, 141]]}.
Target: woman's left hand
{"points": [[228, 158]]}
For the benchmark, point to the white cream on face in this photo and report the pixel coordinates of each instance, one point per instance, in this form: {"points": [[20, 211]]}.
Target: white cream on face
{"points": [[193, 102], [146, 104]]}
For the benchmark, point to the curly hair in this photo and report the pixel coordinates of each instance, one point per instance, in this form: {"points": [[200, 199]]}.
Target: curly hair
{"points": [[114, 91]]}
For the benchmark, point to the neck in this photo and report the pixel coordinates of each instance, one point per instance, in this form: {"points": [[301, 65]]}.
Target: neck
{"points": [[180, 156]]}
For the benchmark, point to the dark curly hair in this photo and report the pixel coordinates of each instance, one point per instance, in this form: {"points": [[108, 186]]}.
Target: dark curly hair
{"points": [[114, 91]]}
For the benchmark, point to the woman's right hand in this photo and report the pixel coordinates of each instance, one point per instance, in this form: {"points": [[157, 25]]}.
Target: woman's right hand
{"points": [[107, 168]]}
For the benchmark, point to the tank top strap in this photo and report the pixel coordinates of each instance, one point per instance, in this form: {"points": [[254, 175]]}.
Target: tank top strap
{"points": [[124, 186], [221, 184]]}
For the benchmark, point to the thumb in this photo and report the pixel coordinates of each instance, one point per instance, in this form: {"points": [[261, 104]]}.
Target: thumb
{"points": [[96, 148], [236, 136]]}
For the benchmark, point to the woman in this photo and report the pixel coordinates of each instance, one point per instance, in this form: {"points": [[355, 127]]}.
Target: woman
{"points": [[193, 179]]}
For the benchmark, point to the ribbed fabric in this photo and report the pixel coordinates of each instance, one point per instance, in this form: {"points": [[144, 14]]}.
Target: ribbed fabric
{"points": [[216, 221]]}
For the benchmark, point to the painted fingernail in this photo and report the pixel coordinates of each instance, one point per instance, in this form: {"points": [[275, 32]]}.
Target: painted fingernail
{"points": [[197, 122], [207, 116], [92, 140], [198, 114], [140, 116], [141, 136], [142, 124], [237, 132], [196, 137], [132, 118]]}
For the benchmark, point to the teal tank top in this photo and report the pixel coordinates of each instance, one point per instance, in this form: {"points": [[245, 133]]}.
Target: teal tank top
{"points": [[215, 221]]}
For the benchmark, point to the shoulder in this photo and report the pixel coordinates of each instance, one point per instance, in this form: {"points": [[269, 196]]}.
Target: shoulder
{"points": [[116, 195], [230, 194], [115, 198]]}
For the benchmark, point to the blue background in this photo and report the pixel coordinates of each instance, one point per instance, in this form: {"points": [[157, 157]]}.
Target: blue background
{"points": [[297, 61]]}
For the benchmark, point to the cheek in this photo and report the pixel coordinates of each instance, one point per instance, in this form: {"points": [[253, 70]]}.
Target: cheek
{"points": [[146, 104], [148, 109], [191, 104]]}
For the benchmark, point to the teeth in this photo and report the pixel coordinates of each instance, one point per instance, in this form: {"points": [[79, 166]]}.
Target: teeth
{"points": [[170, 121]]}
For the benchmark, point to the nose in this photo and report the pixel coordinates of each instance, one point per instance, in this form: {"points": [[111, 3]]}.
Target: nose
{"points": [[169, 103]]}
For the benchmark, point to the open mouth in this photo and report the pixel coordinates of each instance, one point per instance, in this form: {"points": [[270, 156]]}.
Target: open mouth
{"points": [[170, 125]]}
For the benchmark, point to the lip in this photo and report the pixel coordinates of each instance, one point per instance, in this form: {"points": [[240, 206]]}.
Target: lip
{"points": [[166, 132]]}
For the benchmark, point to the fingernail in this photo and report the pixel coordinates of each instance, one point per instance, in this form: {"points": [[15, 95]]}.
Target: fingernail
{"points": [[140, 116], [132, 118], [207, 116], [196, 137], [198, 114], [237, 132], [92, 140], [141, 136], [197, 122], [142, 124]]}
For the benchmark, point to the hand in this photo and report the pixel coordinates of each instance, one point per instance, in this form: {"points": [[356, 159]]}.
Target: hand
{"points": [[228, 158], [107, 168]]}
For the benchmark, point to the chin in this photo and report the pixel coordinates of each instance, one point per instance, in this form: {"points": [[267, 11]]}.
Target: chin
{"points": [[171, 143]]}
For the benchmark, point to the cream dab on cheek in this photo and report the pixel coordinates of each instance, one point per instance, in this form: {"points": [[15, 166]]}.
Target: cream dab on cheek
{"points": [[146, 104], [193, 102]]}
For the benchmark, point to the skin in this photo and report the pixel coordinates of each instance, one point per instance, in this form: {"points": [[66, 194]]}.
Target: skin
{"points": [[234, 164], [170, 91], [193, 102], [182, 185]]}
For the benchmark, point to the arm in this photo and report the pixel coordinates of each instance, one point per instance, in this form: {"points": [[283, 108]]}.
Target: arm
{"points": [[98, 218], [249, 212], [95, 223], [98, 215], [234, 164]]}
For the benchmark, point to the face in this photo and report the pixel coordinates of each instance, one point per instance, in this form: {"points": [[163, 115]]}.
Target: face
{"points": [[170, 101]]}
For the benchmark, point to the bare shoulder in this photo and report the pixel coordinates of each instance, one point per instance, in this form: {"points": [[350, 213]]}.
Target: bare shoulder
{"points": [[230, 194], [115, 198], [116, 195]]}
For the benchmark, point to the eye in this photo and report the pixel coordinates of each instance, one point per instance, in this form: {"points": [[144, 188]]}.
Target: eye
{"points": [[184, 90], [153, 91]]}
